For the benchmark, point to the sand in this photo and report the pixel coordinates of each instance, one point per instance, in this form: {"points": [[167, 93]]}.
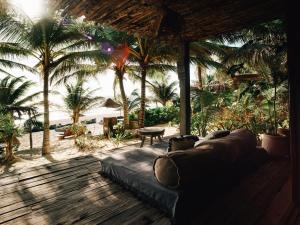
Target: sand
{"points": [[64, 149]]}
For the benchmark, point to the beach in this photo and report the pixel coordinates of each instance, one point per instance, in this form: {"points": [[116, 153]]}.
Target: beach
{"points": [[65, 149]]}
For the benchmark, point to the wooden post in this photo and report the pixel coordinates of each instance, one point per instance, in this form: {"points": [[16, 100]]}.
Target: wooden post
{"points": [[294, 91], [183, 69]]}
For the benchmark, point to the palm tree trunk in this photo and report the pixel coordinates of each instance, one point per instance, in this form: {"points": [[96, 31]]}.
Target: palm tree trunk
{"points": [[200, 81], [76, 117], [9, 156], [46, 136], [124, 99], [30, 129], [143, 97]]}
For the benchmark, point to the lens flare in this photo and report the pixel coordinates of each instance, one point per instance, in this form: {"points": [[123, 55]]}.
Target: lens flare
{"points": [[120, 55], [107, 48]]}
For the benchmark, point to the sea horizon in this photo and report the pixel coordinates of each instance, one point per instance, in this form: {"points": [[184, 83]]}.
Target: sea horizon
{"points": [[61, 117]]}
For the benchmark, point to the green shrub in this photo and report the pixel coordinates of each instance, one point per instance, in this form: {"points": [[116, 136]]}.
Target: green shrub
{"points": [[8, 135], [85, 143], [121, 133], [161, 115], [133, 117]]}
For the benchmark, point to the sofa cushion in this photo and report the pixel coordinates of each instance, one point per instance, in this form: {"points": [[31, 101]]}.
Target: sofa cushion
{"points": [[213, 135], [182, 142], [179, 169], [238, 143], [217, 134], [210, 159]]}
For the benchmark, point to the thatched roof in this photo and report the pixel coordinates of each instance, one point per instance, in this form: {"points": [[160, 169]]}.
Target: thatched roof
{"points": [[192, 19]]}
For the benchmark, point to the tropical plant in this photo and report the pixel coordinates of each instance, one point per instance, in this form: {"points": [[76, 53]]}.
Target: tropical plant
{"points": [[55, 43], [265, 50], [79, 99], [13, 96], [204, 54], [11, 53], [85, 143], [161, 115], [133, 101], [8, 134], [150, 56], [163, 91], [112, 55], [204, 108]]}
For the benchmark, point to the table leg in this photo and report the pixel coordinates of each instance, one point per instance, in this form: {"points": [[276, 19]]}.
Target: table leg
{"points": [[159, 137], [143, 140], [151, 140]]}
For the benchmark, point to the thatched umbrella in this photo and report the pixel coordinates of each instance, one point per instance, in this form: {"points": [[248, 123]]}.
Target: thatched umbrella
{"points": [[109, 103]]}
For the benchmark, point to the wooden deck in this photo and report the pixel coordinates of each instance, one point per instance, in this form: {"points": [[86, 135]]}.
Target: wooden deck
{"points": [[73, 192]]}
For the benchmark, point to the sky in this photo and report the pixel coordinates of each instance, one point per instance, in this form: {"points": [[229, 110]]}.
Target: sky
{"points": [[35, 9]]}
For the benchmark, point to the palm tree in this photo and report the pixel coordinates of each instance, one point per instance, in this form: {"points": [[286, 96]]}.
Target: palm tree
{"points": [[204, 54], [13, 96], [150, 55], [79, 99], [55, 44], [112, 55], [10, 53], [120, 70], [133, 100], [164, 91]]}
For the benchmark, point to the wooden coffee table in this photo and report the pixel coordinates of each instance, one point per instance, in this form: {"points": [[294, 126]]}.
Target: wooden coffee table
{"points": [[152, 133]]}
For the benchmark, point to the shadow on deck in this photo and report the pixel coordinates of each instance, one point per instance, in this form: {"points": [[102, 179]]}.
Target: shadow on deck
{"points": [[73, 192]]}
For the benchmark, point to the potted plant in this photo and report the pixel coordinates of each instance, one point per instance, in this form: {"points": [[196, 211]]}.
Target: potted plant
{"points": [[284, 130], [275, 140], [133, 121]]}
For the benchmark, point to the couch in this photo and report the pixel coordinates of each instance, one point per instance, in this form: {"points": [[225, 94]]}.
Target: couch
{"points": [[182, 181]]}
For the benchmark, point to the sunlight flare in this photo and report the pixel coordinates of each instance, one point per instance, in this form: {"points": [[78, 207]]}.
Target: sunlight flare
{"points": [[32, 8]]}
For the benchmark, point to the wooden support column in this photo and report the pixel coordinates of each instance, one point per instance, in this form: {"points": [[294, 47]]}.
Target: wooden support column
{"points": [[183, 69], [294, 91]]}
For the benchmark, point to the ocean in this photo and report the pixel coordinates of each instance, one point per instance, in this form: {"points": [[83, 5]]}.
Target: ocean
{"points": [[62, 117]]}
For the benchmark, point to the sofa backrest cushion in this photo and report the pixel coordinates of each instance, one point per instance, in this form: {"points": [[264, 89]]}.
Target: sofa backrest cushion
{"points": [[236, 144], [182, 142]]}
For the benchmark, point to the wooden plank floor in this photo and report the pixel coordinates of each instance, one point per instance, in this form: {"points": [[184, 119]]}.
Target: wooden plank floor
{"points": [[70, 192], [73, 192]]}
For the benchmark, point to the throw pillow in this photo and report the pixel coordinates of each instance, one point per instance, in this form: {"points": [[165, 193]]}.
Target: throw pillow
{"points": [[213, 135], [182, 143]]}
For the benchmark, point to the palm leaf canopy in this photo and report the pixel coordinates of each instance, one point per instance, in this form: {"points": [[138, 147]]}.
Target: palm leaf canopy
{"points": [[13, 92], [79, 98], [61, 41], [163, 90]]}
